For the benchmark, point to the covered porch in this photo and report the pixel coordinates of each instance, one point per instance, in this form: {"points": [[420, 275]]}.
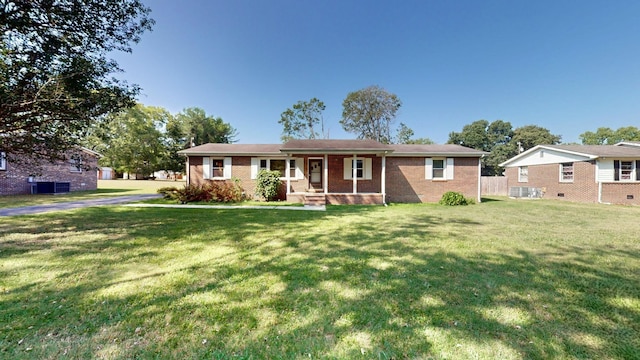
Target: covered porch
{"points": [[337, 172]]}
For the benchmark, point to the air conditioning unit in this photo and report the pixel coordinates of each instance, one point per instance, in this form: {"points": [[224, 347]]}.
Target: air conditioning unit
{"points": [[525, 192]]}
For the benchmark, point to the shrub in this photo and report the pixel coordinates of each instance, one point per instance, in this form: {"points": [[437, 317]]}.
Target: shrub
{"points": [[169, 192], [215, 191], [268, 184], [452, 198]]}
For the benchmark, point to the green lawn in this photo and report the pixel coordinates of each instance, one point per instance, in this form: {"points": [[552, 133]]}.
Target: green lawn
{"points": [[503, 279], [105, 188]]}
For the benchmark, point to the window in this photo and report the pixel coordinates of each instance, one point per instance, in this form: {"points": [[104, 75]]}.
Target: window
{"points": [[3, 161], [439, 168], [292, 169], [523, 174], [279, 165], [566, 172], [75, 164], [626, 170], [361, 165], [217, 168]]}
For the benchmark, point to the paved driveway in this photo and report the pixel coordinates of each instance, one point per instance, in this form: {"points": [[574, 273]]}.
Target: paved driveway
{"points": [[37, 209]]}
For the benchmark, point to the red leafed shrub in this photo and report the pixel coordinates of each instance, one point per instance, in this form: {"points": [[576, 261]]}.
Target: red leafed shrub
{"points": [[214, 191]]}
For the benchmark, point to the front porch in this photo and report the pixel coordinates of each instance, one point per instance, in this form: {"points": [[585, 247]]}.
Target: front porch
{"points": [[317, 199]]}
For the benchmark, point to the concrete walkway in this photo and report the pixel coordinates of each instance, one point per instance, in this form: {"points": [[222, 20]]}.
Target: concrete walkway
{"points": [[38, 209]]}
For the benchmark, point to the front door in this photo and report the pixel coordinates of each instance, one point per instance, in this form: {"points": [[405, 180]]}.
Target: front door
{"points": [[315, 174]]}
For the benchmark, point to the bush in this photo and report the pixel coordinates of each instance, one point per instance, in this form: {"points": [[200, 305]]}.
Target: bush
{"points": [[452, 198], [215, 191], [267, 184]]}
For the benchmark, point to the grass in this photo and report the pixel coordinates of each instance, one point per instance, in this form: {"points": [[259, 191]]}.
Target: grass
{"points": [[502, 279], [105, 188]]}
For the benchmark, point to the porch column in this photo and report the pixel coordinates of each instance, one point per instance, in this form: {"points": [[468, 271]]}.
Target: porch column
{"points": [[354, 173], [383, 179], [325, 178], [287, 169]]}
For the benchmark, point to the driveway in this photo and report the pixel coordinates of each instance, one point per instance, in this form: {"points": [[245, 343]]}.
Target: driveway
{"points": [[37, 209]]}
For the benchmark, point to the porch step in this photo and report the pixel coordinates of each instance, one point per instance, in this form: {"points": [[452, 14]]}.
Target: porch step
{"points": [[314, 199]]}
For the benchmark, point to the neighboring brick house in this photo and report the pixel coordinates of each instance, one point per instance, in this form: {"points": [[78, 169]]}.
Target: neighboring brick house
{"points": [[580, 173], [79, 172], [344, 171]]}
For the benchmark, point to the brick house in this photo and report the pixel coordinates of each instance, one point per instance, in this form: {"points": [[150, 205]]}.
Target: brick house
{"points": [[580, 173], [79, 172], [344, 171]]}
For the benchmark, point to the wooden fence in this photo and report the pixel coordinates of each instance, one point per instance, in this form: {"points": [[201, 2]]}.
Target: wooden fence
{"points": [[494, 185]]}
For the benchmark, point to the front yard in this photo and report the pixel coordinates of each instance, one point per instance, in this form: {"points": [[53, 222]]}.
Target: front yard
{"points": [[502, 279]]}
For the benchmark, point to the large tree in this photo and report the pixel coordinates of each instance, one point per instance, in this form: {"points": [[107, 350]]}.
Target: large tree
{"points": [[369, 113], [607, 136], [302, 120], [132, 140], [499, 138], [193, 127], [56, 80]]}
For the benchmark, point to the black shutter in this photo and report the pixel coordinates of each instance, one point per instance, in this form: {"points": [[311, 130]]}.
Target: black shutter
{"points": [[616, 170], [637, 170]]}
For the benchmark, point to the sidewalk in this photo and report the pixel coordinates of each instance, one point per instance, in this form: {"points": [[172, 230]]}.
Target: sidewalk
{"points": [[38, 209]]}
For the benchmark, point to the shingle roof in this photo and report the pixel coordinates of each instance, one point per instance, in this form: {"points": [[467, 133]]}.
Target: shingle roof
{"points": [[233, 149], [334, 145], [434, 149]]}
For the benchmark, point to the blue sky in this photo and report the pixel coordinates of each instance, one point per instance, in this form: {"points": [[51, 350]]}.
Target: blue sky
{"points": [[569, 66]]}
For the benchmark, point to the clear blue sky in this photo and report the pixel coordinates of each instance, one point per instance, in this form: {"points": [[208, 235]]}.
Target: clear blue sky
{"points": [[569, 66]]}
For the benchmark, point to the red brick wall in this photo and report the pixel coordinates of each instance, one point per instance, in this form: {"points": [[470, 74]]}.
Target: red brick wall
{"points": [[406, 180], [547, 177], [616, 193], [14, 180]]}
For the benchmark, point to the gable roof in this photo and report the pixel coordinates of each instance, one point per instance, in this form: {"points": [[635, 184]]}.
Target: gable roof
{"points": [[580, 152]]}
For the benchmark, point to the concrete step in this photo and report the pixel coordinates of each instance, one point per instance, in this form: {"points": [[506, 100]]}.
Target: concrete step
{"points": [[315, 199]]}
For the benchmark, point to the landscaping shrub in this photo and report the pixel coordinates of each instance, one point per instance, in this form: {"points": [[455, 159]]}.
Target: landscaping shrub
{"points": [[214, 191], [452, 198], [267, 184]]}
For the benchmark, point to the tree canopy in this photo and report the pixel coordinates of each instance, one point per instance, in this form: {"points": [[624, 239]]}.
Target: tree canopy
{"points": [[55, 78], [369, 113], [499, 138], [302, 120], [607, 136]]}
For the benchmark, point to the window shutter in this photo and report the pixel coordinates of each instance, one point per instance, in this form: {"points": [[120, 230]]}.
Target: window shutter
{"points": [[227, 168], [449, 169], [206, 167], [637, 170], [428, 168], [299, 171], [255, 163], [616, 170], [348, 169], [367, 168]]}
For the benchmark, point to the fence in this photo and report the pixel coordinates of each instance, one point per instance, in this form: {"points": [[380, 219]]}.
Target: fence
{"points": [[494, 185]]}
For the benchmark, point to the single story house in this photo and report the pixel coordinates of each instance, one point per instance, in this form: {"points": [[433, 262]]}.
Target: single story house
{"points": [[343, 171], [77, 173], [580, 173]]}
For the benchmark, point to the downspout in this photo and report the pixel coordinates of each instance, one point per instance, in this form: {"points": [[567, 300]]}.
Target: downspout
{"points": [[480, 178], [354, 173], [188, 172], [288, 171], [383, 179]]}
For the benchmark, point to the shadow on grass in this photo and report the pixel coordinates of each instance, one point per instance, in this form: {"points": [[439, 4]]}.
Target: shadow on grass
{"points": [[289, 284]]}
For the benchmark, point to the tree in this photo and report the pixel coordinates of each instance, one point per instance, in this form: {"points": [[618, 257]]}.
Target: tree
{"points": [[501, 141], [404, 135], [301, 121], [193, 127], [369, 113], [607, 136], [55, 79], [131, 141]]}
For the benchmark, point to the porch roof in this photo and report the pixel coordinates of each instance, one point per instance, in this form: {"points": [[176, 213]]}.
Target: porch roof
{"points": [[327, 146]]}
